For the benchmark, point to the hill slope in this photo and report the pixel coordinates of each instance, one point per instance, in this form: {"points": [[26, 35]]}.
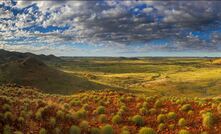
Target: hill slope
{"points": [[32, 72], [7, 56]]}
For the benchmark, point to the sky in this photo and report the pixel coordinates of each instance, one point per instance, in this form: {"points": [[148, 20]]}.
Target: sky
{"points": [[111, 27]]}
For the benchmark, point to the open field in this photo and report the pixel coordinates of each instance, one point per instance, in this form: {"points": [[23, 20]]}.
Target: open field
{"points": [[105, 112], [152, 76]]}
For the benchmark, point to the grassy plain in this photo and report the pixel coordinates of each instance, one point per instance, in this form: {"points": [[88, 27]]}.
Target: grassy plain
{"points": [[151, 76]]}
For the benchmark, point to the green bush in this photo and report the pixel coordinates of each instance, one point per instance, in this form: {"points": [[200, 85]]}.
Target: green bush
{"points": [[6, 107], [66, 106], [125, 130], [43, 131], [38, 114], [182, 122], [161, 118], [100, 110], [152, 111], [84, 125], [138, 120], [80, 114], [75, 103], [85, 106], [18, 132], [69, 116], [183, 131], [21, 120], [186, 107], [143, 111], [56, 130], [60, 115], [208, 120], [116, 119], [7, 129], [8, 117], [146, 130], [171, 115], [161, 126], [107, 129], [74, 130], [52, 121], [95, 130], [102, 118], [158, 104], [171, 126]]}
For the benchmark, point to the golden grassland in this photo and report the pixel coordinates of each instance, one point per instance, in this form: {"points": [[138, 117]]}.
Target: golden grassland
{"points": [[152, 76], [24, 110]]}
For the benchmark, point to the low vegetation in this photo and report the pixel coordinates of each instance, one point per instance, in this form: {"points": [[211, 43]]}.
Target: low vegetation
{"points": [[105, 112]]}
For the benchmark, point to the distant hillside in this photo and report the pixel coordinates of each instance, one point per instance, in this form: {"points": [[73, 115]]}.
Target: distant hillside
{"points": [[28, 70], [7, 56]]}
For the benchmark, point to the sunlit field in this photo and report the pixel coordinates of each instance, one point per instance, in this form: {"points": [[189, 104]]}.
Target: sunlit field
{"points": [[151, 76]]}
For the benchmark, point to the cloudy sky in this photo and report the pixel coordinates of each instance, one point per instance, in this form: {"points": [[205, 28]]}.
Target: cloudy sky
{"points": [[111, 27]]}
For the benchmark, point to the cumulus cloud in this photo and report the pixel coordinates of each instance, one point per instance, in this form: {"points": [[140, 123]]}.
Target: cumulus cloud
{"points": [[113, 24]]}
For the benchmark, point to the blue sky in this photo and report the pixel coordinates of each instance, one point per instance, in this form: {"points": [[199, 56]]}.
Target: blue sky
{"points": [[111, 28]]}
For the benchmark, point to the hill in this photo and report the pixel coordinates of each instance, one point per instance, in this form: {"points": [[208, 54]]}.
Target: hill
{"points": [[7, 56], [25, 70]]}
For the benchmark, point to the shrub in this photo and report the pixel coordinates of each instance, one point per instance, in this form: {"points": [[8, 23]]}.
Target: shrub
{"points": [[8, 116], [75, 103], [74, 130], [6, 107], [56, 130], [52, 121], [138, 120], [85, 106], [100, 110], [190, 112], [38, 114], [125, 130], [102, 118], [161, 118], [146, 130], [116, 119], [171, 115], [43, 131], [84, 125], [183, 131], [60, 114], [18, 132], [69, 116], [21, 120], [7, 129], [158, 104], [161, 126], [107, 129], [186, 107], [171, 126], [81, 114], [95, 130], [143, 111], [208, 120], [66, 106], [153, 111], [182, 122]]}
